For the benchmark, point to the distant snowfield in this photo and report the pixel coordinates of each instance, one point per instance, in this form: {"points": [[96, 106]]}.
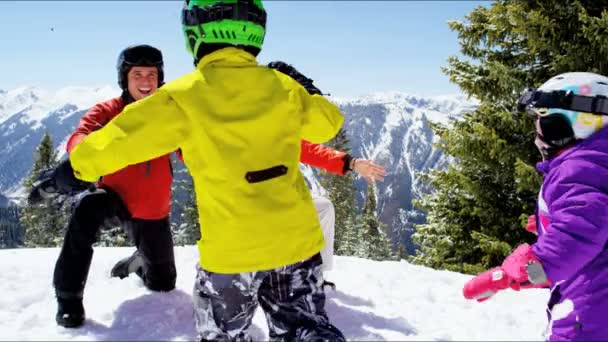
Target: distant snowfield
{"points": [[36, 103], [373, 301], [440, 108]]}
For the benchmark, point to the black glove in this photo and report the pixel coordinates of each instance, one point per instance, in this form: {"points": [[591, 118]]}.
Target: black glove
{"points": [[60, 180], [66, 182], [290, 71], [43, 187]]}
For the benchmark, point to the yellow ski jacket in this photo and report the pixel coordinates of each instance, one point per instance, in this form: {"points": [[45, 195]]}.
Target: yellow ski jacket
{"points": [[239, 126]]}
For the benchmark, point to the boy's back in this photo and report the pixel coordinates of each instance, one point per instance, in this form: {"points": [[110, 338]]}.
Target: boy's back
{"points": [[256, 211]]}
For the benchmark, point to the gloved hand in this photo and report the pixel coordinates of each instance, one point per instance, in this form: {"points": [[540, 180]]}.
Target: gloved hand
{"points": [[290, 71], [43, 187], [531, 226], [520, 270], [525, 269], [60, 180], [486, 284]]}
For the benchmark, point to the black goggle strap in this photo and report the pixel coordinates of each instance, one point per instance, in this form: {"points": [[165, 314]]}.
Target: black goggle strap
{"points": [[532, 98]]}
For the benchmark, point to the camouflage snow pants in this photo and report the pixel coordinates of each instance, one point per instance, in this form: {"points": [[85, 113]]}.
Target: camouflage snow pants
{"points": [[292, 298]]}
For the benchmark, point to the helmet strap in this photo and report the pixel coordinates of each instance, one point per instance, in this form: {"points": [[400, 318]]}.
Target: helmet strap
{"points": [[126, 97]]}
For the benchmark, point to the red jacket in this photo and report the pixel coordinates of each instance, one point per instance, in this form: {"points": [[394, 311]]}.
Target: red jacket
{"points": [[145, 188], [325, 158]]}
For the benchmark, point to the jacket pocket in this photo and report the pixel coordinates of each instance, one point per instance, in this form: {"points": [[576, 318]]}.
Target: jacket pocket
{"points": [[266, 174]]}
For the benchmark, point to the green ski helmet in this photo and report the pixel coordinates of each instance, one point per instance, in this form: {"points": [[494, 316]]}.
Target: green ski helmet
{"points": [[213, 24]]}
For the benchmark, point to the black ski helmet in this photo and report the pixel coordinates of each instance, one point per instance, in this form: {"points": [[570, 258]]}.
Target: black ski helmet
{"points": [[139, 55]]}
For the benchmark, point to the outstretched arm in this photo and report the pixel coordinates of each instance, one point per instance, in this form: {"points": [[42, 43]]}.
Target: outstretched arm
{"points": [[146, 129], [325, 158], [339, 163], [577, 233], [97, 117]]}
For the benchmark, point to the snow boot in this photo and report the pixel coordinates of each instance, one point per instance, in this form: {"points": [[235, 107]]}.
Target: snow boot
{"points": [[70, 312], [329, 284], [126, 266]]}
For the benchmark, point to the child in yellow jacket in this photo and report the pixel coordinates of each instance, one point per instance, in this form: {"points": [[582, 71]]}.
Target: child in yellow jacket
{"points": [[239, 126]]}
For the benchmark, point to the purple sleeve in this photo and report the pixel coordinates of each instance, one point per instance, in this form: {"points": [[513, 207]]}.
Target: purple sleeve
{"points": [[578, 210]]}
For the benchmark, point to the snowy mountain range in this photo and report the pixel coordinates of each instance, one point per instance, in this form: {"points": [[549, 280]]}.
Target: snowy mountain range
{"points": [[393, 129], [25, 114]]}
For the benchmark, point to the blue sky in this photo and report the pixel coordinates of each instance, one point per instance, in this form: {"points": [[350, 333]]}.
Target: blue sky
{"points": [[349, 48]]}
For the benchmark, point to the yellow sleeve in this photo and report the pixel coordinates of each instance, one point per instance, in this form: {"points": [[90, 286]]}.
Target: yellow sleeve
{"points": [[144, 130], [321, 119]]}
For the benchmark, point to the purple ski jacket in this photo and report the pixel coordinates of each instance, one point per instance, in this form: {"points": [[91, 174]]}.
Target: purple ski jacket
{"points": [[573, 231]]}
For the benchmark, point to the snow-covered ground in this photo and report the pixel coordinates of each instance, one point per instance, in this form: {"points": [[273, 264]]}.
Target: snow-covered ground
{"points": [[373, 301]]}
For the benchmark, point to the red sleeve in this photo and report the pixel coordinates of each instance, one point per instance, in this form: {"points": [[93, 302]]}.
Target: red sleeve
{"points": [[324, 158], [94, 119]]}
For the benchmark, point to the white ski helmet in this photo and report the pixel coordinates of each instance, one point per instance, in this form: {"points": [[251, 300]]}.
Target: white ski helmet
{"points": [[569, 107]]}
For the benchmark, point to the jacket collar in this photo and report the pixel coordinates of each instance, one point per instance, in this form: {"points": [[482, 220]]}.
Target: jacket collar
{"points": [[230, 54], [591, 142]]}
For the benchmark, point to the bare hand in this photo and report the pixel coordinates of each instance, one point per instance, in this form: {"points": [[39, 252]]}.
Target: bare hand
{"points": [[369, 170]]}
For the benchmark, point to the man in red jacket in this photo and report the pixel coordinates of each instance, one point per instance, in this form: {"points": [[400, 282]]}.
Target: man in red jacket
{"points": [[137, 196]]}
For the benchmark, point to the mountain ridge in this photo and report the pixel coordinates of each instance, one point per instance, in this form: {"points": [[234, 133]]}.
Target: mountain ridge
{"points": [[391, 128]]}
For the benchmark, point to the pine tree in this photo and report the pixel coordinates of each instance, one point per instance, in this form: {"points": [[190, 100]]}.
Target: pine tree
{"points": [[476, 214], [377, 244], [341, 192], [44, 224], [45, 157], [188, 232], [11, 232]]}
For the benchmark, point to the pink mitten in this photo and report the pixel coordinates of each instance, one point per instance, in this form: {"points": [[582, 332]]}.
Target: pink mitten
{"points": [[525, 269], [486, 284]]}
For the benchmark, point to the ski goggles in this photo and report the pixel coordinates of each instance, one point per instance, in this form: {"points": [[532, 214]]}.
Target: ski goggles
{"points": [[532, 99], [143, 56], [241, 10]]}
